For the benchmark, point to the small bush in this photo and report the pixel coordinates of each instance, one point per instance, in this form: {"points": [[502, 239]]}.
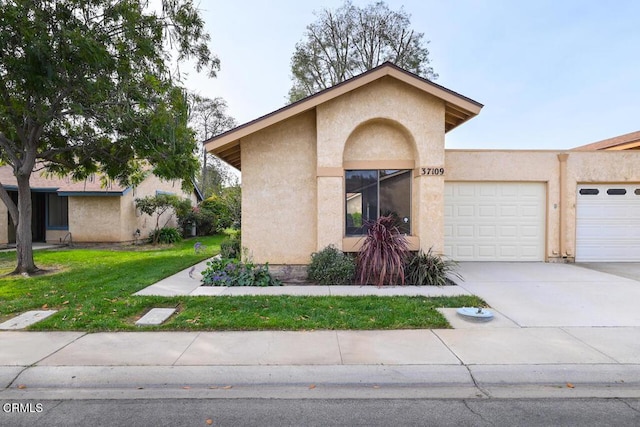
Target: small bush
{"points": [[331, 266], [165, 235], [430, 269], [232, 272], [230, 248], [216, 207], [383, 254]]}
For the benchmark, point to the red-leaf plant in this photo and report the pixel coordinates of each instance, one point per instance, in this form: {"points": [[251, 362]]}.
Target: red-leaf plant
{"points": [[383, 254]]}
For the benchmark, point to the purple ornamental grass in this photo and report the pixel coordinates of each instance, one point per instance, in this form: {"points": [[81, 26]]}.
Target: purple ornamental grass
{"points": [[383, 255]]}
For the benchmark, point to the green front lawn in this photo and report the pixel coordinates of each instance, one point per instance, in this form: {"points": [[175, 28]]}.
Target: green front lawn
{"points": [[92, 289]]}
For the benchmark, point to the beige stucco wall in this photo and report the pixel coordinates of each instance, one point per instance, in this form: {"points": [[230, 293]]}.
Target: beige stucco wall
{"points": [[293, 172], [97, 219], [386, 124], [545, 166], [595, 167], [132, 219], [94, 218], [279, 209], [513, 165]]}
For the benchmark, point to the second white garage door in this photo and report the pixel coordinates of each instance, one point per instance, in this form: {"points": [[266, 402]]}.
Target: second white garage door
{"points": [[608, 222], [494, 221]]}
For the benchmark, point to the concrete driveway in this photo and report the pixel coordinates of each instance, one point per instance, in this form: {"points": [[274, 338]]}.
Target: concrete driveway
{"points": [[555, 295], [630, 270]]}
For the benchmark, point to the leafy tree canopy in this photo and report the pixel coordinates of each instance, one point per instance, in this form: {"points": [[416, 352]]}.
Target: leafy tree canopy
{"points": [[209, 117], [350, 40], [86, 87]]}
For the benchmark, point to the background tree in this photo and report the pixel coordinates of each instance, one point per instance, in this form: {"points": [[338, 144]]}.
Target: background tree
{"points": [[350, 40], [158, 205], [209, 117], [85, 87]]}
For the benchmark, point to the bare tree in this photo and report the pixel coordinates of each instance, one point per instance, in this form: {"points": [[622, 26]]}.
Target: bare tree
{"points": [[350, 40]]}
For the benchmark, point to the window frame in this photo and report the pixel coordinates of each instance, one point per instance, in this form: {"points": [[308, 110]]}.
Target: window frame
{"points": [[409, 172], [63, 200]]}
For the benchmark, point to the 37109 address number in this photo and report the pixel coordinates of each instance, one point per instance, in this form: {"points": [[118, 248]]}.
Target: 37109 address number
{"points": [[432, 171]]}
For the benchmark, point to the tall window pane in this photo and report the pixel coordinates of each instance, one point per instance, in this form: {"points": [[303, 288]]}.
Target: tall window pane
{"points": [[58, 211], [395, 197], [361, 199]]}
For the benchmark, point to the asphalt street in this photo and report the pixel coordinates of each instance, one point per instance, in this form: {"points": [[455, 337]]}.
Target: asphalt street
{"points": [[324, 412]]}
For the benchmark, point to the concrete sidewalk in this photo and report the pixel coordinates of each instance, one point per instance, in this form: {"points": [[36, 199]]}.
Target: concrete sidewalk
{"points": [[560, 330], [474, 362]]}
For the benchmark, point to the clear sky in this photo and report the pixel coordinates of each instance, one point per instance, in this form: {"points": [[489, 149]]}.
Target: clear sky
{"points": [[552, 74]]}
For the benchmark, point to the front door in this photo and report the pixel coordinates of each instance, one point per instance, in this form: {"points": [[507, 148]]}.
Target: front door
{"points": [[38, 218]]}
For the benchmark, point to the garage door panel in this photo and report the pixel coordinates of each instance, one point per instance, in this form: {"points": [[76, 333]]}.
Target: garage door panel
{"points": [[510, 191], [529, 231], [464, 210], [465, 191], [607, 225], [501, 221], [464, 231], [486, 251], [487, 191], [508, 210], [508, 231], [487, 212], [487, 231]]}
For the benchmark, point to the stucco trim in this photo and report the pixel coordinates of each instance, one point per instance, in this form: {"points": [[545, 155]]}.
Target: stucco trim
{"points": [[336, 172], [379, 164], [562, 190], [458, 108]]}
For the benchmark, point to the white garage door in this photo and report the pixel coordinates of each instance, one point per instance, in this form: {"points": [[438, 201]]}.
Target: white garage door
{"points": [[494, 221], [608, 222]]}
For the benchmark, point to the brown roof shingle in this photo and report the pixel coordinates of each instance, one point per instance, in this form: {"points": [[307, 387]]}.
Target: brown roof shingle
{"points": [[39, 180]]}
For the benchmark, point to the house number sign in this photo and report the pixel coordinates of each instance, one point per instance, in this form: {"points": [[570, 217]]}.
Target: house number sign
{"points": [[432, 171]]}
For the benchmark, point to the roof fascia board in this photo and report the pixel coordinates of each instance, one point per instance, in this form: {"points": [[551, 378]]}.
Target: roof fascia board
{"points": [[452, 98], [457, 100], [293, 110], [91, 193]]}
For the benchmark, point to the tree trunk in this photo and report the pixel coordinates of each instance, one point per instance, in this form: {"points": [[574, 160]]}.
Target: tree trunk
{"points": [[24, 238]]}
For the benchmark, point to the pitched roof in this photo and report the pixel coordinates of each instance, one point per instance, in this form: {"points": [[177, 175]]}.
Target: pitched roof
{"points": [[458, 108], [627, 141], [39, 181]]}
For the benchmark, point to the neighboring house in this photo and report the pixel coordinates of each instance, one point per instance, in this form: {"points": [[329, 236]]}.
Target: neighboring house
{"points": [[375, 144], [629, 141], [86, 211]]}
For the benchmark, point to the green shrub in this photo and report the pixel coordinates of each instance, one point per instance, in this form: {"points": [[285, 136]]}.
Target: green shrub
{"points": [[204, 221], [430, 269], [383, 254], [216, 207], [165, 235], [331, 266], [357, 219], [232, 272], [230, 248]]}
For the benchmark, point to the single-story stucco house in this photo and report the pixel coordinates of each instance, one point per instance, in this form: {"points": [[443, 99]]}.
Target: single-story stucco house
{"points": [[314, 170], [85, 211]]}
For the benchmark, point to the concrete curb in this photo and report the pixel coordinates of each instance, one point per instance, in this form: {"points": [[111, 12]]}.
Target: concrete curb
{"points": [[356, 381]]}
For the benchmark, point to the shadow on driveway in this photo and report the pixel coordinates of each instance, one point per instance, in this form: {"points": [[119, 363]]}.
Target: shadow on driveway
{"points": [[630, 270]]}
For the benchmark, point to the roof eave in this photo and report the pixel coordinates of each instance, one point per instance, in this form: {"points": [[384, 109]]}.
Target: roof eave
{"points": [[458, 108]]}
